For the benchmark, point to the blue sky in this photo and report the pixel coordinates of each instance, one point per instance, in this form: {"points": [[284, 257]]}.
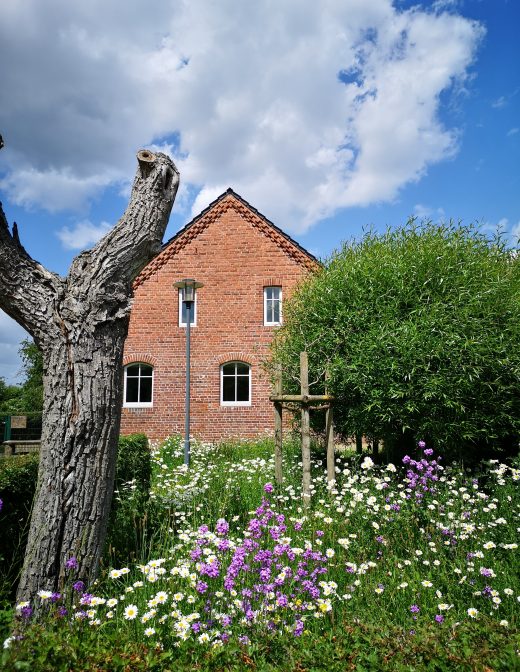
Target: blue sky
{"points": [[328, 117]]}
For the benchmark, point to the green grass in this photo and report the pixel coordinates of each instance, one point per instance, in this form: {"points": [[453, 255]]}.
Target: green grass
{"points": [[401, 576]]}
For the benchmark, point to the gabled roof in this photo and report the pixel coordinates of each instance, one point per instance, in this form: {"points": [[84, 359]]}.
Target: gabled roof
{"points": [[229, 199]]}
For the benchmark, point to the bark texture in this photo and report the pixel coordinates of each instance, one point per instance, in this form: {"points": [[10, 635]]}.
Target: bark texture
{"points": [[80, 323]]}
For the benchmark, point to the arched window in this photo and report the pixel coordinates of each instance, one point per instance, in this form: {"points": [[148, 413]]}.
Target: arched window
{"points": [[235, 384], [138, 390]]}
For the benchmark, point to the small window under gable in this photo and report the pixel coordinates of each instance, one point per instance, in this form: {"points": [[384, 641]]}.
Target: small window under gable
{"points": [[235, 384], [138, 385], [272, 306], [183, 311]]}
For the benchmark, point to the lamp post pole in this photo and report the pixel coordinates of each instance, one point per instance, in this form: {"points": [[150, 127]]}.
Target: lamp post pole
{"points": [[188, 287], [188, 384]]}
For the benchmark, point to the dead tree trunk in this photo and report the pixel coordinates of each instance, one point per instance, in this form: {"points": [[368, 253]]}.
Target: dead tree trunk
{"points": [[80, 323]]}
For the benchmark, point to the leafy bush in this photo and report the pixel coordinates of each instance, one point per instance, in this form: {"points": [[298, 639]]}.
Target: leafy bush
{"points": [[18, 477], [420, 331], [128, 526], [134, 462]]}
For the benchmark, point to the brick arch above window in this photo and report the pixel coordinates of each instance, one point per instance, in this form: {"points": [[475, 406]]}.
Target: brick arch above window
{"points": [[235, 357], [272, 281], [139, 357]]}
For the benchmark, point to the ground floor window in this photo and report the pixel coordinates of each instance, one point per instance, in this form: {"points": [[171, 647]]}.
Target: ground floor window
{"points": [[138, 390], [235, 384]]}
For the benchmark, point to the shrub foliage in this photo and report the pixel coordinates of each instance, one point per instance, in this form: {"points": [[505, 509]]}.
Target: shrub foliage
{"points": [[18, 479], [419, 328]]}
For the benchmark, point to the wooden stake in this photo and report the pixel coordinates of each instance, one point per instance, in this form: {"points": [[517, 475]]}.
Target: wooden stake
{"points": [[329, 438], [306, 437], [278, 419], [375, 448]]}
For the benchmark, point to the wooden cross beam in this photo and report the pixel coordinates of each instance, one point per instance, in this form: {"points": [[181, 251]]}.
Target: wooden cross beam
{"points": [[305, 401], [301, 398]]}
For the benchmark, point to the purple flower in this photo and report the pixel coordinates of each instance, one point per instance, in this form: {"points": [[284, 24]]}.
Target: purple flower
{"points": [[414, 609], [298, 628], [1, 504], [319, 533], [86, 598], [26, 612], [421, 444], [223, 545], [439, 618], [222, 527], [428, 452], [78, 586], [55, 597], [201, 587], [195, 554], [71, 563], [244, 639], [282, 601], [268, 487]]}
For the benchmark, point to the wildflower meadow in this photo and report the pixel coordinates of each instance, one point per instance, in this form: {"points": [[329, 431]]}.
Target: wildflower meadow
{"points": [[410, 566]]}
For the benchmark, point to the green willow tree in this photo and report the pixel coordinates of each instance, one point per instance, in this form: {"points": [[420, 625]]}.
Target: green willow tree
{"points": [[419, 328]]}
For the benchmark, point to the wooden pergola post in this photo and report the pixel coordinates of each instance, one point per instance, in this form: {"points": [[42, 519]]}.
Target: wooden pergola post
{"points": [[305, 401], [278, 420], [329, 440], [305, 427]]}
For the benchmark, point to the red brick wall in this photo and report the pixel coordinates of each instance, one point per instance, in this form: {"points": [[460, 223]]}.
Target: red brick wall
{"points": [[235, 260]]}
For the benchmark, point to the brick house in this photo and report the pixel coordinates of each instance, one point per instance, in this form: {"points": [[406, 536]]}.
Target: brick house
{"points": [[248, 267]]}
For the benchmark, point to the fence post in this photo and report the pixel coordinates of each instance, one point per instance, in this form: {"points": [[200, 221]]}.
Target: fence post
{"points": [[329, 437], [278, 420], [306, 437], [7, 428]]}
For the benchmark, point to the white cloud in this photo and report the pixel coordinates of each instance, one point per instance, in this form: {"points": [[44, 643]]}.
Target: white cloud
{"points": [[250, 91], [11, 334], [499, 102], [513, 131], [515, 233], [82, 234], [422, 211], [55, 189]]}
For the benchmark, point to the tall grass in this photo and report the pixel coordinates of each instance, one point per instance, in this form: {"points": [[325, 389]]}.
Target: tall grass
{"points": [[404, 567]]}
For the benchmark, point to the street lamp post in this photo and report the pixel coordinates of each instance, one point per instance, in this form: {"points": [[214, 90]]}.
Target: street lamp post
{"points": [[188, 287]]}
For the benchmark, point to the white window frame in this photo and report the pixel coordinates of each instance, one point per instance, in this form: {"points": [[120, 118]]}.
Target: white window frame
{"points": [[266, 322], [234, 403], [137, 404], [193, 308]]}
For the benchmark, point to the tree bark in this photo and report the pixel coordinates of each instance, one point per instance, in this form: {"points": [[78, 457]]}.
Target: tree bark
{"points": [[80, 323]]}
